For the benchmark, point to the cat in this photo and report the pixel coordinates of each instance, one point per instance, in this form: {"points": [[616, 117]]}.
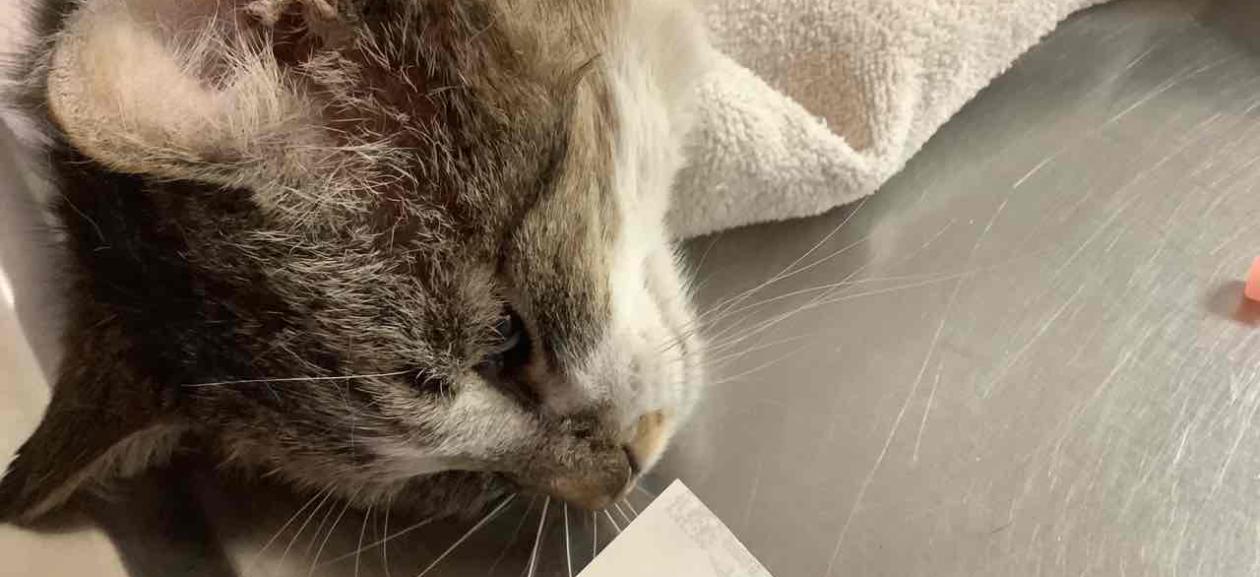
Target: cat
{"points": [[403, 251]]}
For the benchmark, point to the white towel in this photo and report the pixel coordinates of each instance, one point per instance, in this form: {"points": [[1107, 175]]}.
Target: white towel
{"points": [[821, 101]]}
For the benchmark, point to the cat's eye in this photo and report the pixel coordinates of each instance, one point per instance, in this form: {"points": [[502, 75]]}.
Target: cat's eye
{"points": [[511, 348], [508, 331]]}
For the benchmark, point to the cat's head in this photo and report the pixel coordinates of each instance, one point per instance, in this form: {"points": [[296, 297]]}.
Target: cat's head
{"points": [[356, 243]]}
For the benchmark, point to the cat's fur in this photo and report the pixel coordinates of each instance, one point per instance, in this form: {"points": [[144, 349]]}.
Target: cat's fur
{"points": [[259, 197]]}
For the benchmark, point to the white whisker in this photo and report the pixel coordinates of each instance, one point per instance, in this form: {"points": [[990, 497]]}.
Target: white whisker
{"points": [[331, 530], [756, 369], [639, 487], [384, 540], [542, 522], [847, 282], [727, 308], [484, 520], [294, 379], [712, 361], [310, 517], [594, 536], [826, 299], [359, 546], [704, 257], [826, 295], [319, 529], [280, 531], [613, 521], [568, 552], [516, 535], [622, 512], [787, 271]]}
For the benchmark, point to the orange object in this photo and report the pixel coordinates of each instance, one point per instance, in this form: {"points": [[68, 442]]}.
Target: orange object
{"points": [[1253, 281]]}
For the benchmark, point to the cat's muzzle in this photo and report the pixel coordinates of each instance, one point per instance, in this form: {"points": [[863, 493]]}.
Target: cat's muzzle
{"points": [[595, 491]]}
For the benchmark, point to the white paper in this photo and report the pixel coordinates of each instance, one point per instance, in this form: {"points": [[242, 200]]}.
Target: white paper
{"points": [[676, 536]]}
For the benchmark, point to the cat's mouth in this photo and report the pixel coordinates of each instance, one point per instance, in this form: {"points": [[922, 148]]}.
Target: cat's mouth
{"points": [[591, 488], [595, 492], [605, 476]]}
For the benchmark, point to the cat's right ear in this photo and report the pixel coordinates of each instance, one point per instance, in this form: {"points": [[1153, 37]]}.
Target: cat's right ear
{"points": [[103, 421]]}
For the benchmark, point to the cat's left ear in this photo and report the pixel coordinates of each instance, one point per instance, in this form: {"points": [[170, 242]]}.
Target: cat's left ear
{"points": [[188, 89], [103, 421]]}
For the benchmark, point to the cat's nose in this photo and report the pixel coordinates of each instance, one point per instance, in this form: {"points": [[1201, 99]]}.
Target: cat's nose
{"points": [[596, 490], [647, 440]]}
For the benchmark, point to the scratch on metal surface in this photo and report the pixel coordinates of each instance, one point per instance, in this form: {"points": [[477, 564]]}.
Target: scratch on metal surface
{"points": [[1243, 344], [971, 256], [1163, 242], [1045, 326], [905, 406], [1255, 559], [1233, 449], [1223, 198], [1231, 238], [1158, 90], [1252, 108], [1094, 236], [892, 432], [1069, 426], [1115, 239], [1185, 436], [1228, 174], [931, 400], [1164, 87], [1037, 168], [829, 433], [1140, 58], [756, 486], [932, 239], [1200, 414]]}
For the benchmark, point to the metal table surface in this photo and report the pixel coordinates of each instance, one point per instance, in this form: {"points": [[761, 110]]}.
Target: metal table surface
{"points": [[1036, 359], [1028, 354]]}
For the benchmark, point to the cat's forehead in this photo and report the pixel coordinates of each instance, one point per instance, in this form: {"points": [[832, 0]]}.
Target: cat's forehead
{"points": [[480, 110]]}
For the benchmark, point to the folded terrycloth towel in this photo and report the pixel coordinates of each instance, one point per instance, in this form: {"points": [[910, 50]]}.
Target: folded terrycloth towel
{"points": [[821, 101]]}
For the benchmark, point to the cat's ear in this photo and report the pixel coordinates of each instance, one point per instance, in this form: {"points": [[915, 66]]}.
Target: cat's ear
{"points": [[101, 423], [185, 88]]}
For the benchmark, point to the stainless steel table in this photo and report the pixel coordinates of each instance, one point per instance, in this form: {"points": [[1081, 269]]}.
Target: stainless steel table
{"points": [[1037, 360], [1026, 355]]}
